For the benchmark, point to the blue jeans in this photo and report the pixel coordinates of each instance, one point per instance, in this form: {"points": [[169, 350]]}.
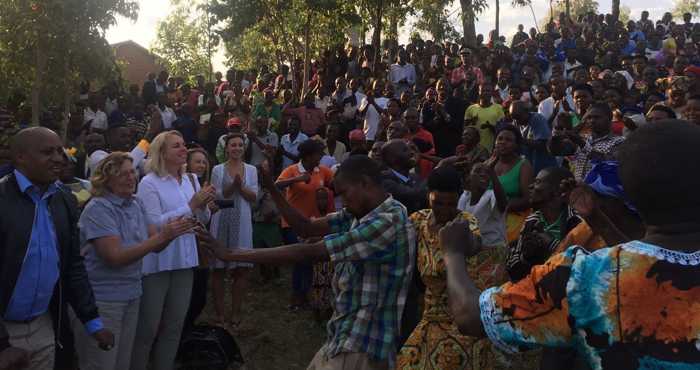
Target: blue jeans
{"points": [[302, 273]]}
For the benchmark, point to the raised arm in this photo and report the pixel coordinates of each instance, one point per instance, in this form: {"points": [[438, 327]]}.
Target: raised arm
{"points": [[301, 225]]}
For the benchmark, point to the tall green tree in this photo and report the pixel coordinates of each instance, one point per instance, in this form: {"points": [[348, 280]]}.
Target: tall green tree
{"points": [[433, 17], [48, 46], [185, 39], [470, 10], [681, 7], [285, 31]]}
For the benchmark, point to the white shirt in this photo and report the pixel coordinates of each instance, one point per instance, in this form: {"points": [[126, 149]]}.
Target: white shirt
{"points": [[168, 116], [568, 68], [504, 93], [322, 104], [372, 117], [99, 118], [111, 105], [164, 199], [398, 72], [546, 107], [492, 222], [292, 147]]}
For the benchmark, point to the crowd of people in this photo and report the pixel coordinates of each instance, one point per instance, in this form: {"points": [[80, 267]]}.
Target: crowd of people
{"points": [[443, 207]]}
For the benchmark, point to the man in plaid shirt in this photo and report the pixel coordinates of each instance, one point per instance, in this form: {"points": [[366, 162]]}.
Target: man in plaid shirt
{"points": [[372, 245]]}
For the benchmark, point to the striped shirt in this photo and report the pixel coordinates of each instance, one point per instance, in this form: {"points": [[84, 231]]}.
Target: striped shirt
{"points": [[519, 261], [374, 261]]}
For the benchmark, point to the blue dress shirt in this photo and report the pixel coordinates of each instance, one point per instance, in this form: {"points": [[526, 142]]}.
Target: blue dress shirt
{"points": [[40, 269]]}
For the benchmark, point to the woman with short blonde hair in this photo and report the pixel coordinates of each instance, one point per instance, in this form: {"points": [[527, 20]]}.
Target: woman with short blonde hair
{"points": [[168, 192], [115, 237]]}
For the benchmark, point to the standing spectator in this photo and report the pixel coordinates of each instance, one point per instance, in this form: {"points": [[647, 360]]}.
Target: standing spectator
{"points": [[116, 238], [148, 92], [166, 192], [269, 110], [536, 132], [300, 182], [600, 146], [402, 74], [311, 118], [167, 114], [42, 254], [94, 116], [236, 184], [485, 115], [262, 142], [199, 165], [335, 148], [372, 107], [289, 144]]}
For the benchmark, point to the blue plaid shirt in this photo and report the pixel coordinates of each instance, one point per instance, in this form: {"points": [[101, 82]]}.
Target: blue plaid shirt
{"points": [[374, 259]]}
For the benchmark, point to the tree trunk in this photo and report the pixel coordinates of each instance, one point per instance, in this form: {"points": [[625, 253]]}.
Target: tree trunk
{"points": [[468, 25], [616, 10], [568, 8], [38, 82], [377, 34], [498, 18], [393, 33], [307, 57]]}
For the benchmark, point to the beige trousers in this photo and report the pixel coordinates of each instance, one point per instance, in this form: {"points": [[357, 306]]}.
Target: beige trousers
{"points": [[37, 338], [346, 361]]}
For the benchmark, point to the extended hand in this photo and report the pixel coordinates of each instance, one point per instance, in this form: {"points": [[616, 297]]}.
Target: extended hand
{"points": [[177, 227], [105, 339], [457, 238]]}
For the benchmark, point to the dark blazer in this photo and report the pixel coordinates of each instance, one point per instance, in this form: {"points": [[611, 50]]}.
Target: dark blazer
{"points": [[148, 92], [412, 194], [16, 220]]}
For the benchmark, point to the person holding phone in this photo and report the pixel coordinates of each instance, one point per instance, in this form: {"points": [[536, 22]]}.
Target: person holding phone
{"points": [[236, 184]]}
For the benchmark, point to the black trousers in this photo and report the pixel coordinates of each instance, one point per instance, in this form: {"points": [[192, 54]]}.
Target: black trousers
{"points": [[199, 297]]}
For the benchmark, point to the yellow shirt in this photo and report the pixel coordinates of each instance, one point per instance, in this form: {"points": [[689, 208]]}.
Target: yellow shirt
{"points": [[490, 116]]}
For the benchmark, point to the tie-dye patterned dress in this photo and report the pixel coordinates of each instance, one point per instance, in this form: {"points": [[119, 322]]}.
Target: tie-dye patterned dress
{"points": [[632, 306]]}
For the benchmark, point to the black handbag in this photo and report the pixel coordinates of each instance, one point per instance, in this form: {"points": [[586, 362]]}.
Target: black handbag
{"points": [[208, 347]]}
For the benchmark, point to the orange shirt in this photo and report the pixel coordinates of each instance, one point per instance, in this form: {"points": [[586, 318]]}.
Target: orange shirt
{"points": [[302, 196]]}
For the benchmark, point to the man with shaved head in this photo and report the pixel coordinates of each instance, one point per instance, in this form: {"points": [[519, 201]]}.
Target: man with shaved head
{"points": [[40, 262]]}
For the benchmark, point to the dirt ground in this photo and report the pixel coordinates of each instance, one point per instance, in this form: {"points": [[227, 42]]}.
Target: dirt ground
{"points": [[271, 337]]}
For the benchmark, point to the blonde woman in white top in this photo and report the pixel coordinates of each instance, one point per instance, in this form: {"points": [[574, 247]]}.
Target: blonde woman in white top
{"points": [[167, 192], [236, 184]]}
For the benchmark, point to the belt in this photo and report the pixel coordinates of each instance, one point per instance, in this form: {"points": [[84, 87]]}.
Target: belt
{"points": [[27, 321]]}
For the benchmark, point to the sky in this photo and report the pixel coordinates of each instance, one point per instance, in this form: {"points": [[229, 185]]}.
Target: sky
{"points": [[143, 31]]}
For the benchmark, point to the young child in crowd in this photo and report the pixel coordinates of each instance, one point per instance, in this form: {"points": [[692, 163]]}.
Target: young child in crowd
{"points": [[484, 198]]}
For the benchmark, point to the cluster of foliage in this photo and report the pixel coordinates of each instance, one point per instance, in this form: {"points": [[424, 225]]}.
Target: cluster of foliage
{"points": [[49, 46]]}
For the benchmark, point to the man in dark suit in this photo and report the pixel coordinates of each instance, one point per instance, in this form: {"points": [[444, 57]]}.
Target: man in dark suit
{"points": [[148, 92], [398, 179], [412, 192], [41, 269]]}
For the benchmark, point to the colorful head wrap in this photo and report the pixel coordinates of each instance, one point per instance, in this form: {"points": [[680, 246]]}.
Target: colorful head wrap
{"points": [[604, 180]]}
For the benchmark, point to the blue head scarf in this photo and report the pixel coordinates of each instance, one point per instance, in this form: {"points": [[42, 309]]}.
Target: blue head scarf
{"points": [[604, 180]]}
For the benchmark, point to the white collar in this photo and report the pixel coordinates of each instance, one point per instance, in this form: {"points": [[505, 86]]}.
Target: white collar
{"points": [[400, 176], [303, 170]]}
